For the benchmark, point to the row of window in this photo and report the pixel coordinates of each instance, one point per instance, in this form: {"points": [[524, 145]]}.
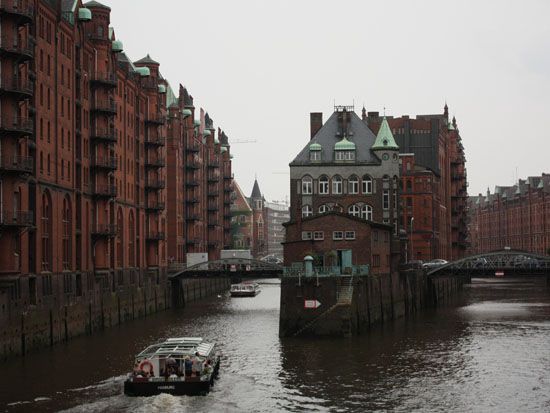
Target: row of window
{"points": [[357, 210], [336, 184], [320, 235], [339, 155]]}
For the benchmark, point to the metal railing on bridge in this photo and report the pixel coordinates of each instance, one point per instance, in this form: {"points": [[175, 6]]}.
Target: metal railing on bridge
{"points": [[329, 271]]}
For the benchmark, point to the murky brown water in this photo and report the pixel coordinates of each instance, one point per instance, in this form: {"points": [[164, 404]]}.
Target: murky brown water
{"points": [[488, 352]]}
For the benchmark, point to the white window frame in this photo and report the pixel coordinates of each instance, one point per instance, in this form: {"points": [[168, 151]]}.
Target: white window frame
{"points": [[367, 185], [314, 155], [337, 235], [353, 185], [307, 185], [306, 235], [349, 235], [307, 211], [318, 235], [337, 185], [366, 212], [386, 199], [324, 185], [355, 211], [323, 208]]}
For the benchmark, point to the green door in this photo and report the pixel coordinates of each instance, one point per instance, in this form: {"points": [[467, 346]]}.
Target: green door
{"points": [[346, 262]]}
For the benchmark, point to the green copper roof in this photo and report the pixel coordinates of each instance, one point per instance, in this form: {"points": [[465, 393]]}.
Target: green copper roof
{"points": [[450, 126], [143, 71], [117, 46], [216, 141], [384, 139], [162, 89], [84, 14], [315, 147], [344, 145], [197, 122], [206, 133], [541, 184], [186, 112], [223, 149]]}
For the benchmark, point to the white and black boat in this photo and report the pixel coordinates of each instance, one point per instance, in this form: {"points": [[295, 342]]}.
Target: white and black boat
{"points": [[178, 366], [245, 289]]}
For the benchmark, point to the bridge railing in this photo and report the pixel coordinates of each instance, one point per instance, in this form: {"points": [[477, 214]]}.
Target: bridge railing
{"points": [[356, 270]]}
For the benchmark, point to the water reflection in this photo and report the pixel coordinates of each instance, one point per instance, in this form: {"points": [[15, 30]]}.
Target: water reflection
{"points": [[489, 351]]}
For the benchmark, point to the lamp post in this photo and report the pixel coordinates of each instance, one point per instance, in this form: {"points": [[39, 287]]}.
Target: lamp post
{"points": [[412, 244]]}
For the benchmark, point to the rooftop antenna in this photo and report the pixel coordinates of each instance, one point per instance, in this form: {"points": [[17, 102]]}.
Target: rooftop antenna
{"points": [[384, 111]]}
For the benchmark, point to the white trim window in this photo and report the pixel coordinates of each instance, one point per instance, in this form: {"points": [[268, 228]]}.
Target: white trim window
{"points": [[337, 235], [367, 184], [349, 235], [386, 199], [306, 235], [314, 155], [307, 211], [366, 212], [318, 235], [307, 185], [323, 185], [354, 210], [337, 185], [323, 209], [344, 155], [353, 185]]}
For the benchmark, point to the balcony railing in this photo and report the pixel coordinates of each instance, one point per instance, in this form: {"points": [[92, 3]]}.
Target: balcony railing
{"points": [[154, 206], [108, 191], [104, 134], [192, 165], [10, 45], [107, 79], [192, 201], [105, 106], [213, 194], [355, 270], [191, 217], [213, 164], [105, 162], [16, 218], [20, 164], [212, 208], [104, 230], [193, 241], [213, 178], [155, 119], [149, 83], [213, 223], [22, 126], [155, 163], [228, 176], [153, 235], [192, 148], [155, 184], [22, 87], [14, 7], [192, 183], [155, 141]]}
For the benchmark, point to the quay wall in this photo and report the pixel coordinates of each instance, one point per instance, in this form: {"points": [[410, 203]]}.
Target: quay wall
{"points": [[375, 299], [60, 317]]}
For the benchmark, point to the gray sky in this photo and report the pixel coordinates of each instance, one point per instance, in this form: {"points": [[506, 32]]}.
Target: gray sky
{"points": [[259, 67]]}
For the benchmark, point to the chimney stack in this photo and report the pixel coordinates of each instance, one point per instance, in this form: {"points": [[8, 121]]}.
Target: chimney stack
{"points": [[315, 122]]}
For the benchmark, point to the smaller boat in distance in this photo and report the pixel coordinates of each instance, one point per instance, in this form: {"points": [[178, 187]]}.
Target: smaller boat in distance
{"points": [[247, 289], [183, 365]]}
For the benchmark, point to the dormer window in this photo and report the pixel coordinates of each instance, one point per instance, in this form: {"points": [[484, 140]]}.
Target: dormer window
{"points": [[344, 150], [315, 151], [345, 155]]}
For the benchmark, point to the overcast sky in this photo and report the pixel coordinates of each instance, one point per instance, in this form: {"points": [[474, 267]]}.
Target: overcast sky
{"points": [[259, 67]]}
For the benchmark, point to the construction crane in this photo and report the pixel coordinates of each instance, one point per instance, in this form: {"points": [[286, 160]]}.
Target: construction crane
{"points": [[242, 141]]}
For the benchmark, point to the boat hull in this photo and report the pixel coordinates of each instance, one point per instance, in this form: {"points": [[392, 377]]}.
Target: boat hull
{"points": [[176, 388], [245, 293]]}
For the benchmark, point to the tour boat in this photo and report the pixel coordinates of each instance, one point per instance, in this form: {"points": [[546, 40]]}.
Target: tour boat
{"points": [[245, 290], [178, 366]]}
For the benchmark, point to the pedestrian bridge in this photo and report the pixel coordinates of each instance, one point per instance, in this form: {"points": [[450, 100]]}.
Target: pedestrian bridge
{"points": [[502, 263], [230, 267]]}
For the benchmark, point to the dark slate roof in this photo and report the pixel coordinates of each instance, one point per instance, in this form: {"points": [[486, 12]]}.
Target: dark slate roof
{"points": [[146, 60], [97, 4], [208, 121], [256, 191], [358, 133], [68, 5], [187, 98]]}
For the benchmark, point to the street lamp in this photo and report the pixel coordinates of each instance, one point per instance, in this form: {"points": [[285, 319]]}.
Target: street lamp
{"points": [[412, 245]]}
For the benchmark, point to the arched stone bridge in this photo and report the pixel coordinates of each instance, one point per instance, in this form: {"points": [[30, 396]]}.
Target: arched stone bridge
{"points": [[231, 267], [501, 263]]}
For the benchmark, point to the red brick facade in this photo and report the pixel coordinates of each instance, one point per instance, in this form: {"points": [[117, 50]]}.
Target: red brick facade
{"points": [[87, 197], [516, 216]]}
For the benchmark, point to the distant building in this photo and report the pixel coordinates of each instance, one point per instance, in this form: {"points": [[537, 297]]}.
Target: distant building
{"points": [[277, 213], [241, 219], [515, 216], [434, 183], [343, 198]]}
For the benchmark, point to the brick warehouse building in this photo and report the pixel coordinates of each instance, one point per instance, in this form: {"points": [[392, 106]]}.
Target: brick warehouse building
{"points": [[343, 195], [433, 183], [88, 203], [515, 216]]}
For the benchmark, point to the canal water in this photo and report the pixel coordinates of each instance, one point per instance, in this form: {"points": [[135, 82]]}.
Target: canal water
{"points": [[488, 351]]}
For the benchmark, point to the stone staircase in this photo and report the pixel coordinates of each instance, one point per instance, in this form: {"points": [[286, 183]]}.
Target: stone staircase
{"points": [[344, 296]]}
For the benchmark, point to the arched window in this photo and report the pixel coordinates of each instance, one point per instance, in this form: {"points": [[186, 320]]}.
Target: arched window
{"points": [[337, 208], [46, 227], [323, 185], [307, 211], [119, 236], [131, 243], [323, 208], [367, 184], [366, 212], [337, 185], [395, 180], [353, 185], [354, 210], [67, 232], [307, 185]]}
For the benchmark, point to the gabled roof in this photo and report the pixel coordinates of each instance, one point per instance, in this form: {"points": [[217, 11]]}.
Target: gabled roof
{"points": [[384, 139], [239, 202], [358, 133], [96, 4], [147, 60]]}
